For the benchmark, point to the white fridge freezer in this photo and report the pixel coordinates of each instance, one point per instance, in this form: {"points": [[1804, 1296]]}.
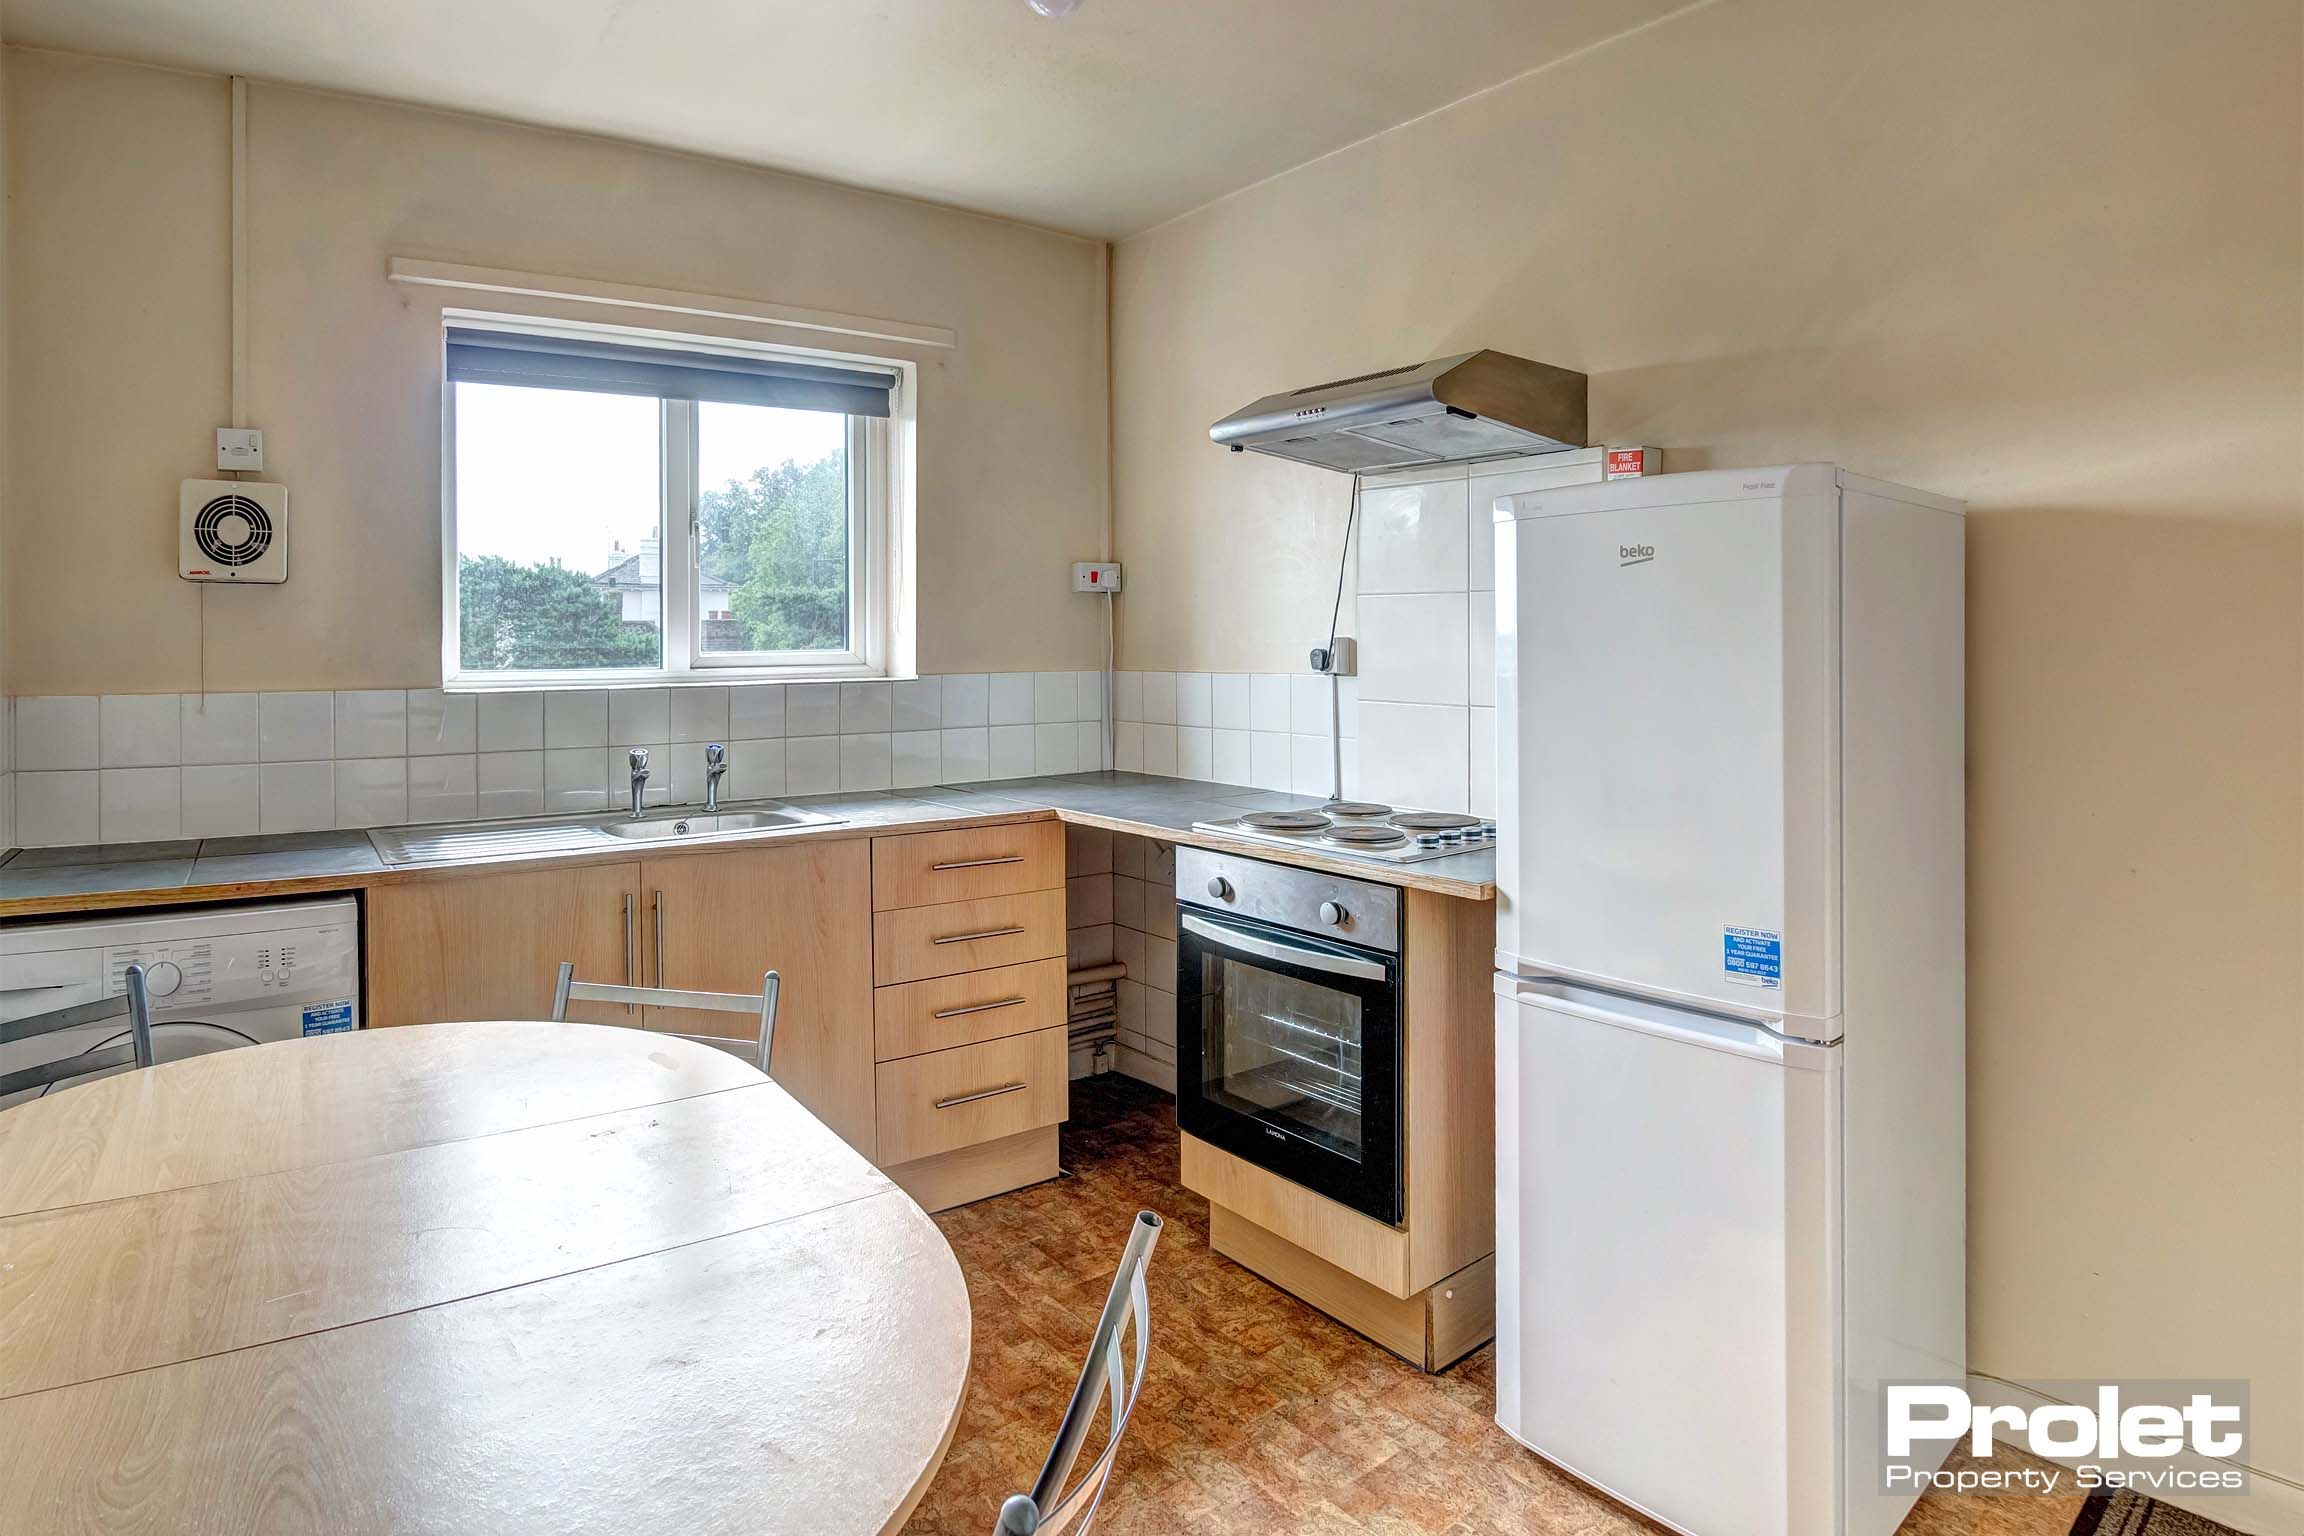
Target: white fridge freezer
{"points": [[1730, 991]]}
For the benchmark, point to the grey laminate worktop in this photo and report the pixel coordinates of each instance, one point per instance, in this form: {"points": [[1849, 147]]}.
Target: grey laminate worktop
{"points": [[104, 876]]}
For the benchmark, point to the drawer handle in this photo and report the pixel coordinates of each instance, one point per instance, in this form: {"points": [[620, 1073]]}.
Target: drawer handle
{"points": [[954, 1013], [1011, 858], [970, 938], [988, 1093]]}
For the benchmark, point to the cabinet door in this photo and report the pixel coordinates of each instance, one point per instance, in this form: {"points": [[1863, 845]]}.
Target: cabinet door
{"points": [[489, 947], [714, 922]]}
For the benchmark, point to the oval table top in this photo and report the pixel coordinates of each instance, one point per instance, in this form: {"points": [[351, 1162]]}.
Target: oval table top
{"points": [[498, 1277]]}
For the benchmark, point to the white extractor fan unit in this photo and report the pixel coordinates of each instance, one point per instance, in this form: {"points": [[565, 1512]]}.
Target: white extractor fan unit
{"points": [[233, 530]]}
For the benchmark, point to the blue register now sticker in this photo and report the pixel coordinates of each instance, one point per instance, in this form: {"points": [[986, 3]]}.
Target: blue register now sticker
{"points": [[332, 1018], [1752, 957]]}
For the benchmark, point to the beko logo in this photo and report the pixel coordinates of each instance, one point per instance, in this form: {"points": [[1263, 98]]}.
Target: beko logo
{"points": [[1635, 554]]}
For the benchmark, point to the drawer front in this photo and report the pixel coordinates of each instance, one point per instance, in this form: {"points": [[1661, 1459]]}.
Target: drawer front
{"points": [[920, 942], [950, 1099], [926, 868], [966, 1009]]}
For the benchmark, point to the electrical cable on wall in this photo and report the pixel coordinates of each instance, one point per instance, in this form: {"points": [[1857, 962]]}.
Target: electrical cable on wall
{"points": [[1335, 678]]}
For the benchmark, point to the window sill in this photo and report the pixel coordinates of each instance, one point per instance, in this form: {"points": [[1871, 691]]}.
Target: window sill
{"points": [[730, 677]]}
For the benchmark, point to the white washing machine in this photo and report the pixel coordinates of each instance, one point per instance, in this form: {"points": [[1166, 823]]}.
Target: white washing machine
{"points": [[217, 979]]}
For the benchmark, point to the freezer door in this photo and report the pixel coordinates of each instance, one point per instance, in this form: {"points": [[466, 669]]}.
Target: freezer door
{"points": [[1664, 1241], [1669, 709]]}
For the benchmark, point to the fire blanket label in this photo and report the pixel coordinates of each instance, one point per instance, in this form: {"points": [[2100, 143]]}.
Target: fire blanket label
{"points": [[332, 1018], [1752, 957]]}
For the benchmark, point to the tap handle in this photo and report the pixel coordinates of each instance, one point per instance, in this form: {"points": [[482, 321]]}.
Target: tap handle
{"points": [[639, 759], [715, 756]]}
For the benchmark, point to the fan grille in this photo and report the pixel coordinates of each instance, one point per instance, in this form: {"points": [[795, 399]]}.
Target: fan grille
{"points": [[232, 530]]}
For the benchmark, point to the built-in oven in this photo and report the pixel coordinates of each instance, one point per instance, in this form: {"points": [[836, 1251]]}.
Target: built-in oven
{"points": [[1288, 1023]]}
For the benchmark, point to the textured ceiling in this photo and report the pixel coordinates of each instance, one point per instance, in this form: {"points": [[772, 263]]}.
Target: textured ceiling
{"points": [[1124, 114]]}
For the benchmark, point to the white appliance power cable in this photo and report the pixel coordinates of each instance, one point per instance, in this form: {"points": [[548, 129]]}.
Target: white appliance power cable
{"points": [[1335, 680]]}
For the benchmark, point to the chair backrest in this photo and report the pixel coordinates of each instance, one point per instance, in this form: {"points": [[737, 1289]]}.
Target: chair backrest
{"points": [[762, 1004], [1049, 1508], [134, 1004]]}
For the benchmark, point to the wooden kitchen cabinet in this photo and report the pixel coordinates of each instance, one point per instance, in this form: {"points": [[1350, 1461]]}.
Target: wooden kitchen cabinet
{"points": [[968, 948], [946, 1100], [923, 942], [714, 921], [489, 946], [922, 869]]}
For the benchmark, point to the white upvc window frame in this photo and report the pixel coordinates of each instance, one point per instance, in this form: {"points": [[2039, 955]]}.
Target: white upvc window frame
{"points": [[880, 484]]}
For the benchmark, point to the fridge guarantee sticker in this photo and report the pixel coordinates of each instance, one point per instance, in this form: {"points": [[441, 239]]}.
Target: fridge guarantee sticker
{"points": [[1752, 957]]}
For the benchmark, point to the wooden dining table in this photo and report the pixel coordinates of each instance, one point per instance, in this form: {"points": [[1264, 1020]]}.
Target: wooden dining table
{"points": [[477, 1278]]}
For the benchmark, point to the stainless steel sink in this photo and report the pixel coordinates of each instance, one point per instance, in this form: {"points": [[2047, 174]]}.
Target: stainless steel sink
{"points": [[454, 842], [660, 829]]}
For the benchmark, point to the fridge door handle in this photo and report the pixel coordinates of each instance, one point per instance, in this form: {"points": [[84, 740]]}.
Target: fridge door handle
{"points": [[1735, 1036]]}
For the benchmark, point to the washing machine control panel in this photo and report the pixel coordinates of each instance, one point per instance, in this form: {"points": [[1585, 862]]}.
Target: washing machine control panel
{"points": [[182, 972], [245, 968]]}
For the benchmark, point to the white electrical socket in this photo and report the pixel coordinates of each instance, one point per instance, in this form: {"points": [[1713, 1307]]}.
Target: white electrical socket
{"points": [[1090, 576], [239, 448]]}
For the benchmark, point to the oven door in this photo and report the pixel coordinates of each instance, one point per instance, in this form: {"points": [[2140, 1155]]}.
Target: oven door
{"points": [[1288, 1055]]}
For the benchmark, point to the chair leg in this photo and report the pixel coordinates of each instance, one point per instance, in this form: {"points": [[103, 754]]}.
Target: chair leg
{"points": [[140, 1016], [771, 985]]}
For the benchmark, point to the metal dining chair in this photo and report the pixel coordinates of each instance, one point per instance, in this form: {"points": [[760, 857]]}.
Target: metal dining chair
{"points": [[135, 1051], [1048, 1508], [567, 989]]}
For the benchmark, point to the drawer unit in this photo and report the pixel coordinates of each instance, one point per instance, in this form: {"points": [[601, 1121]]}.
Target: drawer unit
{"points": [[967, 1009], [946, 1100], [943, 940], [929, 868]]}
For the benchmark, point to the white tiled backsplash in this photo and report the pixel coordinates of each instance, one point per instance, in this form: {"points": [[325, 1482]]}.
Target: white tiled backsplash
{"points": [[1269, 730], [1418, 724], [143, 767], [1427, 616]]}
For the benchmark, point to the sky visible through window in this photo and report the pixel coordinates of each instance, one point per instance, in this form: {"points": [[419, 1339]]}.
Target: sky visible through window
{"points": [[545, 474], [558, 497]]}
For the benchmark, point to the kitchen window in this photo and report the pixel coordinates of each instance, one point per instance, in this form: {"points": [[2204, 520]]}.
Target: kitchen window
{"points": [[620, 509]]}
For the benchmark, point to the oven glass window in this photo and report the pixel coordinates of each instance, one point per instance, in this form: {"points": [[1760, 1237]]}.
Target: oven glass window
{"points": [[1285, 1051]]}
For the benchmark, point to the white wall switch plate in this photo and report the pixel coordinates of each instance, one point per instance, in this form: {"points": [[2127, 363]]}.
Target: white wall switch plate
{"points": [[239, 448], [1088, 576]]}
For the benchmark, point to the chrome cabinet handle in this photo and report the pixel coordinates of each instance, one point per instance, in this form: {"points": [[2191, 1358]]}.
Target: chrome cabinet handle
{"points": [[631, 944], [659, 938], [1012, 858], [970, 938], [954, 1013], [986, 1093]]}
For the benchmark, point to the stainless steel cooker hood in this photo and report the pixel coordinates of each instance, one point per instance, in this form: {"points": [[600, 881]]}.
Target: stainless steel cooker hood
{"points": [[1477, 405]]}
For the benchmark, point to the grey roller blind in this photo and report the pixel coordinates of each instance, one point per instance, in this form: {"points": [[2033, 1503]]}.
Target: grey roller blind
{"points": [[549, 362]]}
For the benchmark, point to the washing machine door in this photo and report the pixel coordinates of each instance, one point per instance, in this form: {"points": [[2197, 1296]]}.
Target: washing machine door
{"points": [[172, 1040]]}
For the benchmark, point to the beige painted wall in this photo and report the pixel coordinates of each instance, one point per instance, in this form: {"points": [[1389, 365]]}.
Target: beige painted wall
{"points": [[2045, 257], [120, 303]]}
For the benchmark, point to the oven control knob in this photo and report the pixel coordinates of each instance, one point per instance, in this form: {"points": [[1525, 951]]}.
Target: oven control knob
{"points": [[1333, 914], [1219, 887]]}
